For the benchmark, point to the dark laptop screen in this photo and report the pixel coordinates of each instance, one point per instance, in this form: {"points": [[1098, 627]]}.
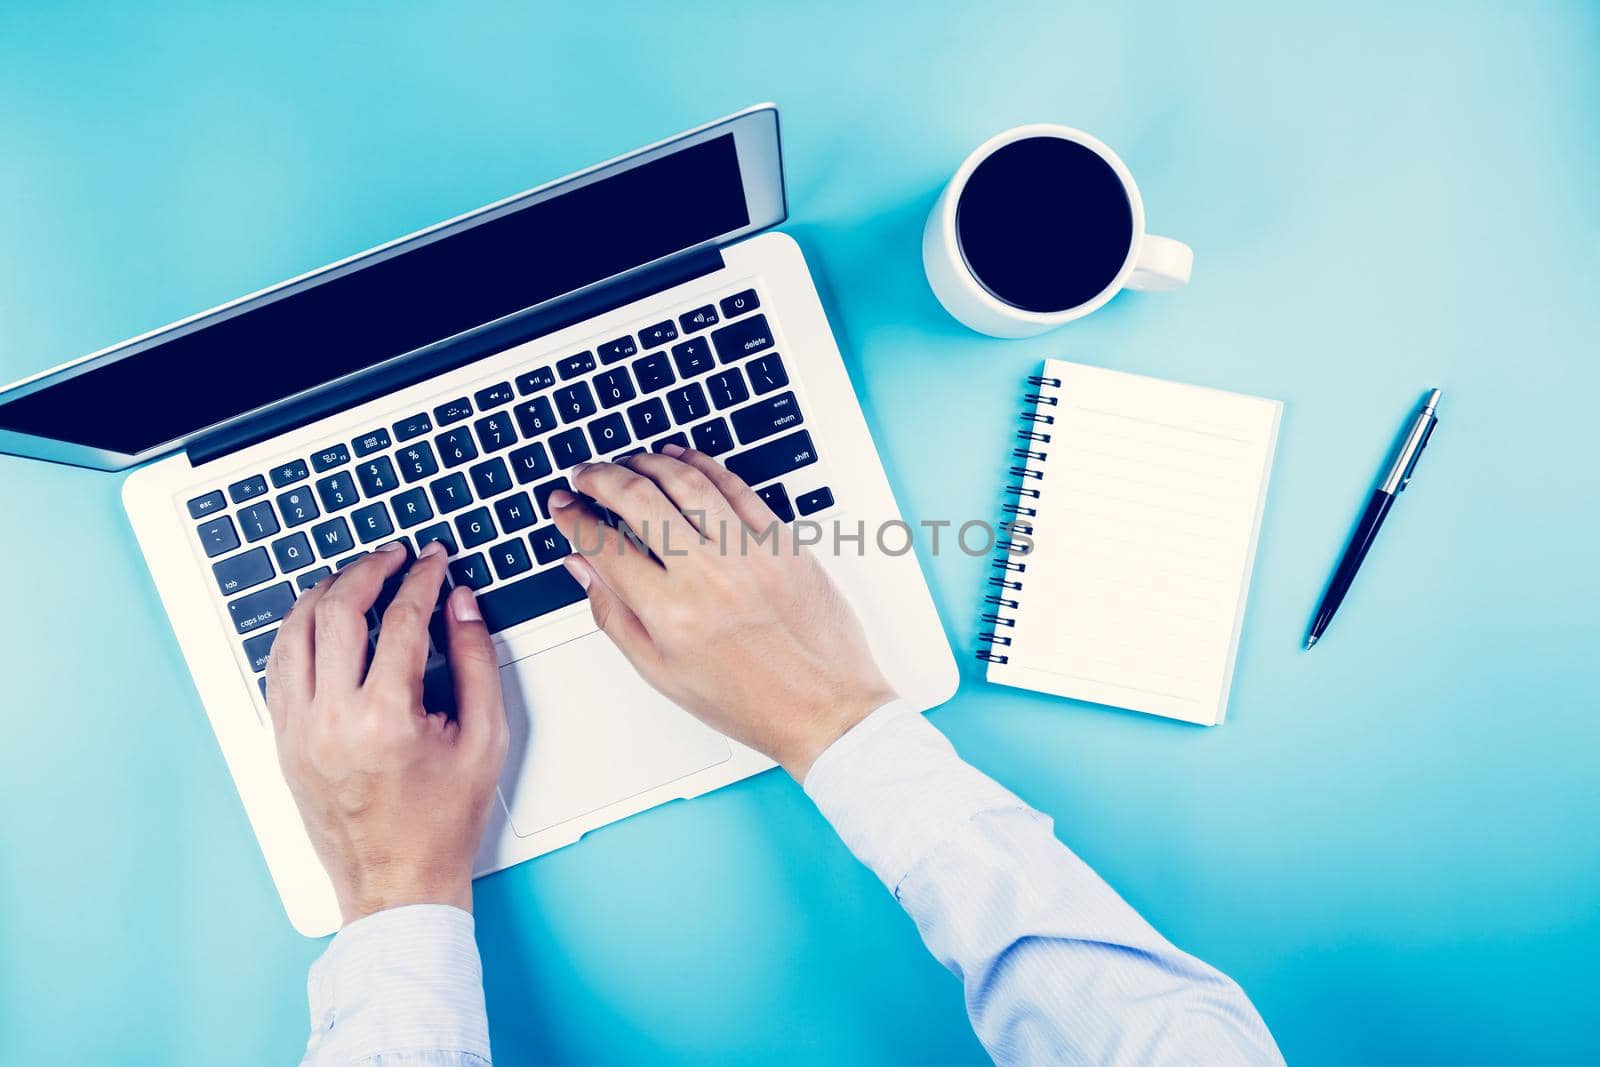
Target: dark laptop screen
{"points": [[441, 287]]}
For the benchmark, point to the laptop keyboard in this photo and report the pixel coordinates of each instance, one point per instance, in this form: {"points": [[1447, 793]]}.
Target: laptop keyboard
{"points": [[475, 472]]}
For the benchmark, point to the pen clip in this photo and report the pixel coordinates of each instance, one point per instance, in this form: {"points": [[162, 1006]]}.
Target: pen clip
{"points": [[1416, 454]]}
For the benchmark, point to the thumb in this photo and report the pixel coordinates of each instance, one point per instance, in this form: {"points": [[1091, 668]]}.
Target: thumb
{"points": [[480, 710], [614, 617]]}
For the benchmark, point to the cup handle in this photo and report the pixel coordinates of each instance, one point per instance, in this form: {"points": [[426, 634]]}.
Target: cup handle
{"points": [[1163, 264]]}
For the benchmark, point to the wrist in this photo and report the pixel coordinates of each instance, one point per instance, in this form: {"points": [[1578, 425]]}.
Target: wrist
{"points": [[377, 894], [839, 718]]}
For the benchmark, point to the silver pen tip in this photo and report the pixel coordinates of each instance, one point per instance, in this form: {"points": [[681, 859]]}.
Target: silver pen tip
{"points": [[1309, 642], [1433, 400]]}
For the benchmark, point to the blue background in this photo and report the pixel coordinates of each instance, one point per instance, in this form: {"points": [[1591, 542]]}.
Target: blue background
{"points": [[1393, 842]]}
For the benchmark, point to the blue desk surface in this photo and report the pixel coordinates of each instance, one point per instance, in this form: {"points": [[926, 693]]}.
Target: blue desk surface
{"points": [[1391, 844]]}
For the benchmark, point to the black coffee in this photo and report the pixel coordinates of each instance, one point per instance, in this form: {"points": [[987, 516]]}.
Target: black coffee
{"points": [[1044, 224]]}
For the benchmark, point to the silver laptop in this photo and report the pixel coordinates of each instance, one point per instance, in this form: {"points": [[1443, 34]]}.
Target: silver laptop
{"points": [[437, 388]]}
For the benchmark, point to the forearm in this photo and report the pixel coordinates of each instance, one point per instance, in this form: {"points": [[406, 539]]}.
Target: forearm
{"points": [[1056, 967], [400, 988]]}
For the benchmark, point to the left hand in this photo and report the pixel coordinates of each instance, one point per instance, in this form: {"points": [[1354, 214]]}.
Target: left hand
{"points": [[395, 798]]}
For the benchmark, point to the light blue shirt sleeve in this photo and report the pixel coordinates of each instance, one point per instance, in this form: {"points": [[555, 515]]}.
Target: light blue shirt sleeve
{"points": [[400, 988], [1056, 967]]}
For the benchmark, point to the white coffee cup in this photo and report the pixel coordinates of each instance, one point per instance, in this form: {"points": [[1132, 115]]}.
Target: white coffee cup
{"points": [[1151, 263]]}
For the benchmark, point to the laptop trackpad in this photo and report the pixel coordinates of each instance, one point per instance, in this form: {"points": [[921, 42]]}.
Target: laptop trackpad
{"points": [[587, 731]]}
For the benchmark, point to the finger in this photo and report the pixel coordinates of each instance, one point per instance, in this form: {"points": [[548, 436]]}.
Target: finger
{"points": [[627, 568], [480, 710], [291, 669], [402, 649], [641, 504], [690, 491], [750, 508], [341, 617], [612, 614]]}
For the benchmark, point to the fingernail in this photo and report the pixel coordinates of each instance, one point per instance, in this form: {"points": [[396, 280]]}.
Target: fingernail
{"points": [[673, 449], [579, 569], [560, 498], [580, 468], [432, 548], [392, 546], [464, 604]]}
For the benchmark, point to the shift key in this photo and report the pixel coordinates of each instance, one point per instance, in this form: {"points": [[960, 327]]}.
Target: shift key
{"points": [[255, 610], [766, 462]]}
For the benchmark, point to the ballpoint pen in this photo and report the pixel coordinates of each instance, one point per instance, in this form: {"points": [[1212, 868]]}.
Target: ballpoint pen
{"points": [[1394, 483]]}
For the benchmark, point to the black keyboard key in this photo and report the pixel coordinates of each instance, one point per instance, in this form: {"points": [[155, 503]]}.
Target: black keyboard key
{"points": [[493, 396], [452, 411], [573, 366], [371, 441], [257, 649], [495, 431], [440, 532], [415, 426], [609, 433], [693, 357], [728, 388], [621, 348], [255, 611], [679, 439], [541, 493], [372, 522], [471, 571], [814, 501], [476, 527], [742, 338], [456, 447], [330, 457], [648, 418], [417, 462], [623, 457], [574, 402], [515, 512], [293, 553], [247, 488], [510, 558], [777, 498], [659, 334], [530, 598], [337, 491], [766, 417], [713, 437], [258, 521], [310, 578], [698, 319], [535, 380], [535, 416], [332, 538], [377, 476], [289, 473], [548, 544], [688, 403], [530, 463], [202, 506], [238, 573], [767, 373], [491, 477], [343, 563], [451, 493], [653, 372], [739, 303], [411, 507], [614, 387], [777, 457], [218, 536], [569, 447]]}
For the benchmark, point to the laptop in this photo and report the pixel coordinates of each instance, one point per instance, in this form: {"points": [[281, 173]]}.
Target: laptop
{"points": [[438, 387]]}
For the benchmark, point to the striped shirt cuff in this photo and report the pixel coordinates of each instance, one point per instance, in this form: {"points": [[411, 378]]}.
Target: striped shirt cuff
{"points": [[405, 980]]}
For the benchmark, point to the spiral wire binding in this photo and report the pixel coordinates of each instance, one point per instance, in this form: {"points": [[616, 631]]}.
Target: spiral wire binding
{"points": [[1007, 570]]}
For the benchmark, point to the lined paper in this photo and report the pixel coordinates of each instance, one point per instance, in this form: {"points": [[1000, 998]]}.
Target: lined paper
{"points": [[1149, 509]]}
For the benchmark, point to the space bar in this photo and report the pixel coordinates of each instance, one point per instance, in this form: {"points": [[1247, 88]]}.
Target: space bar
{"points": [[529, 598]]}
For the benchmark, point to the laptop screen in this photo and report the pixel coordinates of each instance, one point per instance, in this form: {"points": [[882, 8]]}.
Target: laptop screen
{"points": [[427, 289]]}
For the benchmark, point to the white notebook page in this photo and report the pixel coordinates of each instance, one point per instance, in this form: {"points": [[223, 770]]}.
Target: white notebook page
{"points": [[1148, 513]]}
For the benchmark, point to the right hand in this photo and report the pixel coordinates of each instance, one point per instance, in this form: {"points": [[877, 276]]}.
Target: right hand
{"points": [[757, 643]]}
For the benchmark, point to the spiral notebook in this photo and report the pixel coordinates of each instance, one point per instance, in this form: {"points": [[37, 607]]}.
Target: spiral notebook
{"points": [[1130, 534]]}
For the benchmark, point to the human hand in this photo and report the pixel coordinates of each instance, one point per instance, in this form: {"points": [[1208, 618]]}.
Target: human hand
{"points": [[757, 643], [395, 798]]}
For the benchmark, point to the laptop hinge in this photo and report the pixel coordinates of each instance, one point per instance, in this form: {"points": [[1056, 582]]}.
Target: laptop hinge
{"points": [[451, 353]]}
